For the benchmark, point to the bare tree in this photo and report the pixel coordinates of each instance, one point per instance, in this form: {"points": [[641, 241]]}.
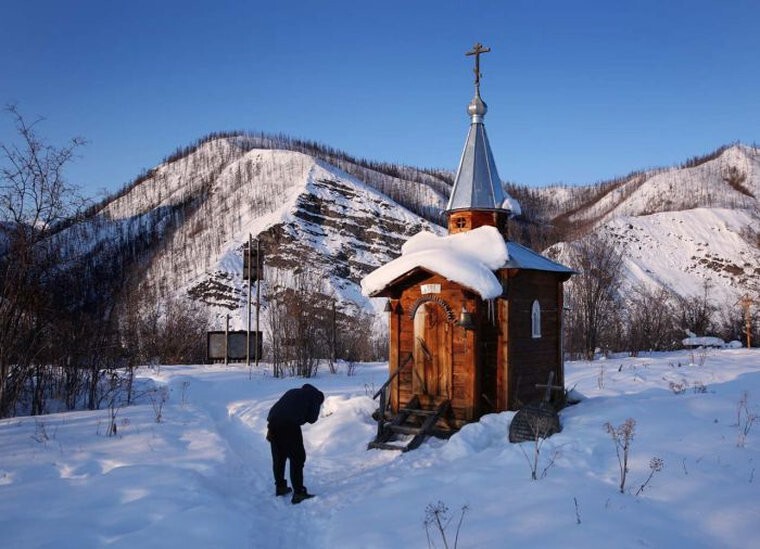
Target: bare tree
{"points": [[34, 196], [696, 312], [592, 293], [33, 190], [650, 320], [161, 330], [305, 325]]}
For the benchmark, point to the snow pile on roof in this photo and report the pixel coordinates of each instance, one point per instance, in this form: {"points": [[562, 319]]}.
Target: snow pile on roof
{"points": [[467, 258], [512, 205], [704, 341]]}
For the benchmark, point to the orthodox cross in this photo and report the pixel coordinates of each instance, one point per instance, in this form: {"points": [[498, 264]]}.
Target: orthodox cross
{"points": [[477, 49], [549, 387], [746, 302]]}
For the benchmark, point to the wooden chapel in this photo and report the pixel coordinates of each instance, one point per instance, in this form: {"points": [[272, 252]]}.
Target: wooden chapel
{"points": [[475, 321]]}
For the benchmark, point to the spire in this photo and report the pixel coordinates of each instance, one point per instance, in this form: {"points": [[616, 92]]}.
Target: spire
{"points": [[477, 185]]}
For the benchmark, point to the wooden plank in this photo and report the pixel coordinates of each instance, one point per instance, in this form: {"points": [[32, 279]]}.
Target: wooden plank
{"points": [[384, 446], [427, 426]]}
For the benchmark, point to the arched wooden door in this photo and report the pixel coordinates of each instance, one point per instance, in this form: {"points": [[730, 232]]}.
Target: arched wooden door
{"points": [[432, 354]]}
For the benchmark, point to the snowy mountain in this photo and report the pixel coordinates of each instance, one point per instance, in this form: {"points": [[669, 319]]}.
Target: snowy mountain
{"points": [[680, 228], [186, 223], [180, 229]]}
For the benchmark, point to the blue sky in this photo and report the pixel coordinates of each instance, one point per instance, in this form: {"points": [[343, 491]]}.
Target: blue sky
{"points": [[577, 91]]}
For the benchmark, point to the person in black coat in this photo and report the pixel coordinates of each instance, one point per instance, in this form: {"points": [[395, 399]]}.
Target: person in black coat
{"points": [[295, 407]]}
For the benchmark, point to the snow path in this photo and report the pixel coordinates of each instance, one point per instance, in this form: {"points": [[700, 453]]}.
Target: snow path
{"points": [[244, 478], [338, 478]]}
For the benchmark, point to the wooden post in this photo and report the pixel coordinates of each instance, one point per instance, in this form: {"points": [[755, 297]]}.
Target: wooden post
{"points": [[259, 275], [227, 340], [381, 417], [394, 351]]}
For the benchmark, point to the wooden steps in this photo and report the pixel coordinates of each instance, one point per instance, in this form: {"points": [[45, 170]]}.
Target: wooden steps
{"points": [[412, 420]]}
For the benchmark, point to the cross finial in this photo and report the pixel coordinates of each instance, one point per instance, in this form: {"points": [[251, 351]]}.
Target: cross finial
{"points": [[477, 49]]}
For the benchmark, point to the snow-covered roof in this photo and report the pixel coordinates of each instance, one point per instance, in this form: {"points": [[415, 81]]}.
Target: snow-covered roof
{"points": [[521, 257], [468, 258], [704, 341]]}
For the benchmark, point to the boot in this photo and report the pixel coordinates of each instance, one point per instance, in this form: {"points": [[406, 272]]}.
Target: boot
{"points": [[300, 495], [282, 490]]}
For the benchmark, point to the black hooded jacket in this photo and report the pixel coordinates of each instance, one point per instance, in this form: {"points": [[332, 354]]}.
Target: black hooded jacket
{"points": [[297, 406]]}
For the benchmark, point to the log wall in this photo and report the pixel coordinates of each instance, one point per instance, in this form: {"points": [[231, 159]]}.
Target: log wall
{"points": [[531, 359]]}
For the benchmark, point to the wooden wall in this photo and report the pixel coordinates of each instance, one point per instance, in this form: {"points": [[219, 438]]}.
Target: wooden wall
{"points": [[467, 220], [531, 359]]}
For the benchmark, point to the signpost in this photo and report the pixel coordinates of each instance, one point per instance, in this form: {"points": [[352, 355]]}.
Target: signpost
{"points": [[232, 346]]}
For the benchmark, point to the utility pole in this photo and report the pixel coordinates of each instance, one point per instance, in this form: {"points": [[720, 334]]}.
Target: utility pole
{"points": [[334, 335], [248, 306], [259, 274]]}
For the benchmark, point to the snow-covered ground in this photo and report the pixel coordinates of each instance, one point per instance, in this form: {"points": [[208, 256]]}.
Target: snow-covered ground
{"points": [[201, 477]]}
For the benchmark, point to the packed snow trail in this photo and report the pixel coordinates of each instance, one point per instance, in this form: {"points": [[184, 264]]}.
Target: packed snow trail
{"points": [[245, 479], [337, 474]]}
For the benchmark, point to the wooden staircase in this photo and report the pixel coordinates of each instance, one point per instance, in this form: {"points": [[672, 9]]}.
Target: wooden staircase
{"points": [[411, 420]]}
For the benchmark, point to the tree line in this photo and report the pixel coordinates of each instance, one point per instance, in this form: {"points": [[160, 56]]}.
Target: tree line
{"points": [[601, 318], [70, 322]]}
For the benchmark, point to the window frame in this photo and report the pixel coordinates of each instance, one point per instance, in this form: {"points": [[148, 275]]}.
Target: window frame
{"points": [[535, 319]]}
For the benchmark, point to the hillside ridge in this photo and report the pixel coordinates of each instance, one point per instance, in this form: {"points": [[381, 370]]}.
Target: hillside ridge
{"points": [[183, 225]]}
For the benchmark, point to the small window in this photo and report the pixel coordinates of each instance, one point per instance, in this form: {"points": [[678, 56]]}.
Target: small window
{"points": [[535, 316]]}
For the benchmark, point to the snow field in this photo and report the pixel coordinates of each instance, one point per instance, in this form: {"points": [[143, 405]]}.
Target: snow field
{"points": [[202, 476]]}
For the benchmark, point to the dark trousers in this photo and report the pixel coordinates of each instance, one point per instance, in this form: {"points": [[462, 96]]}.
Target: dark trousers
{"points": [[286, 442]]}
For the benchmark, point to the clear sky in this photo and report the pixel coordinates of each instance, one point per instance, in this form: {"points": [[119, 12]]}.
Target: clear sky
{"points": [[577, 91]]}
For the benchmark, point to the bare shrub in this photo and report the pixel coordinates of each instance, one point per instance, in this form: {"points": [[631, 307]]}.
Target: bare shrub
{"points": [[183, 394], [622, 436], [437, 518], [114, 403], [577, 511], [541, 427], [699, 356], [744, 419], [656, 465], [113, 411], [40, 432], [158, 397]]}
